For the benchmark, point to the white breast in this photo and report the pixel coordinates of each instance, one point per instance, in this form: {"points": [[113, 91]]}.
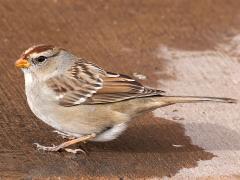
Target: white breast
{"points": [[40, 101]]}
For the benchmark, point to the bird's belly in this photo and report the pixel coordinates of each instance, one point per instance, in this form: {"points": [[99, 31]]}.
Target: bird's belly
{"points": [[64, 120], [76, 120]]}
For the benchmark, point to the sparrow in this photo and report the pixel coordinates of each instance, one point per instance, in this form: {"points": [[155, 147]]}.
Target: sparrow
{"points": [[84, 102]]}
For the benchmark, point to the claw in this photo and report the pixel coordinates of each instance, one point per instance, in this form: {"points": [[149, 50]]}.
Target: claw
{"points": [[47, 148], [66, 144], [74, 151]]}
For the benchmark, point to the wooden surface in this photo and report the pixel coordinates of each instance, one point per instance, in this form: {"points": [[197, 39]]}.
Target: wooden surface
{"points": [[127, 37]]}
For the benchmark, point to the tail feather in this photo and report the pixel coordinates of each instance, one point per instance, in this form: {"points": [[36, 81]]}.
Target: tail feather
{"points": [[193, 99], [137, 106]]}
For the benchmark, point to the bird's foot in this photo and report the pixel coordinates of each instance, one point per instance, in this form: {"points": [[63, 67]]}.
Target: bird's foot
{"points": [[74, 151], [47, 148], [64, 145], [57, 148], [64, 135]]}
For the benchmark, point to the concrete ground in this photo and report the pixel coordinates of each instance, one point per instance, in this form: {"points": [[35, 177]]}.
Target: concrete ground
{"points": [[184, 47]]}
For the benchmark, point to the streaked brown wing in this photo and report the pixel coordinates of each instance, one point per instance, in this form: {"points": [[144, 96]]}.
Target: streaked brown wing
{"points": [[86, 83], [119, 88]]}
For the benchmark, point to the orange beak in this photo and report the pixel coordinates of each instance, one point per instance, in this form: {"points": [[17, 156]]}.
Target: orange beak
{"points": [[22, 63]]}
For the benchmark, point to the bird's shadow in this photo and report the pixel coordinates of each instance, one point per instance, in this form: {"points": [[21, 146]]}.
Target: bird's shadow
{"points": [[150, 147]]}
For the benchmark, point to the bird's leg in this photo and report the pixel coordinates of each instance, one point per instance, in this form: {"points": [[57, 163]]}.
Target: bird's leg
{"points": [[66, 144], [64, 135]]}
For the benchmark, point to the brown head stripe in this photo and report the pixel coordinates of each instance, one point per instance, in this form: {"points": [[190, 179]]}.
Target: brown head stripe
{"points": [[36, 49]]}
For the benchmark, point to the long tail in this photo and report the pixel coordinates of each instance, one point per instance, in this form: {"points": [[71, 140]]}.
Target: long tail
{"points": [[139, 105], [194, 99]]}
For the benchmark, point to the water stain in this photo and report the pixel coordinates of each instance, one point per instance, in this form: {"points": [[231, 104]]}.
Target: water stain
{"points": [[146, 149]]}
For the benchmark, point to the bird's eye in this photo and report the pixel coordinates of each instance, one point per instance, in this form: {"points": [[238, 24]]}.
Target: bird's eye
{"points": [[40, 59]]}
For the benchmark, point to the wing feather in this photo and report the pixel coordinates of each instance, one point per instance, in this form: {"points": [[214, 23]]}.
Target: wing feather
{"points": [[86, 83]]}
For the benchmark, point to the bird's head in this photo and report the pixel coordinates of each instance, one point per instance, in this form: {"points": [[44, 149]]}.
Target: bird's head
{"points": [[44, 60]]}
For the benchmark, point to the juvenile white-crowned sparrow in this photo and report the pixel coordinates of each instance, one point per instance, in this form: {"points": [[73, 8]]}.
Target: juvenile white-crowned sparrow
{"points": [[84, 102]]}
